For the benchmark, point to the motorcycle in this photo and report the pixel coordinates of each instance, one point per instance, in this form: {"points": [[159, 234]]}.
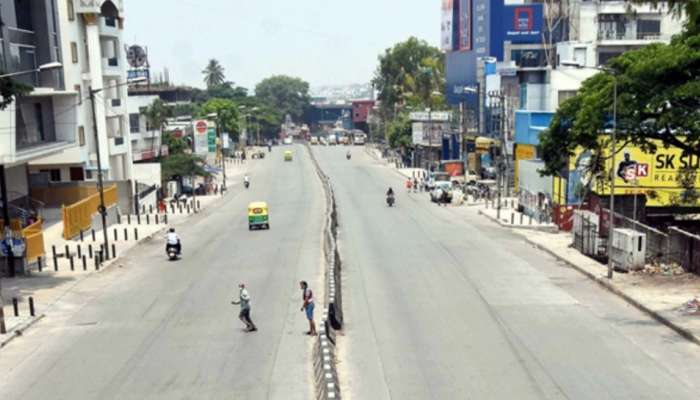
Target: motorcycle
{"points": [[390, 200], [347, 156], [246, 184], [172, 251]]}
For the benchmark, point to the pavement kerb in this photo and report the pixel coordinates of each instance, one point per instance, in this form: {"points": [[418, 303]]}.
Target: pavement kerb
{"points": [[550, 229], [19, 330], [606, 284]]}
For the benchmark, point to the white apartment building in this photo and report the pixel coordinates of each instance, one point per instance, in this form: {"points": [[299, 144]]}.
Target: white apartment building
{"points": [[145, 139], [93, 59], [44, 121]]}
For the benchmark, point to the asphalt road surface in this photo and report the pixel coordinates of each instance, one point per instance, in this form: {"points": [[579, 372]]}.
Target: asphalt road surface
{"points": [[155, 329], [441, 304]]}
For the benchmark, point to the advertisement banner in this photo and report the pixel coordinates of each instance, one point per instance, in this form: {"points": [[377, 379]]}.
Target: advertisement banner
{"points": [[429, 134], [465, 25], [424, 116], [201, 141], [523, 23], [666, 177], [447, 27], [211, 140]]}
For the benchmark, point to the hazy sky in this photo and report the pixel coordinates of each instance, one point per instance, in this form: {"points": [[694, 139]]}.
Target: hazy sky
{"points": [[321, 41]]}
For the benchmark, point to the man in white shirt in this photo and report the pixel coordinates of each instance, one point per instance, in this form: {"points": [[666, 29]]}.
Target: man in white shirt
{"points": [[172, 239], [244, 301]]}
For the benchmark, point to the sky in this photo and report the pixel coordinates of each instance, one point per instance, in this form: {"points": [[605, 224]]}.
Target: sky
{"points": [[321, 41]]}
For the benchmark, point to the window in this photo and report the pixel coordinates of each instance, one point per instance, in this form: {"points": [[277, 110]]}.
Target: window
{"points": [[74, 52], [54, 174], [81, 135], [71, 11], [135, 122], [648, 28], [565, 95], [79, 89]]}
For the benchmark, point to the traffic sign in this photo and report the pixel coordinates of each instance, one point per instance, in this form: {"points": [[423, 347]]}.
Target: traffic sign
{"points": [[201, 127]]}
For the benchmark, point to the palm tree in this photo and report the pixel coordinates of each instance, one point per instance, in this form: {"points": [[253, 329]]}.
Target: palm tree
{"points": [[213, 74], [157, 114]]}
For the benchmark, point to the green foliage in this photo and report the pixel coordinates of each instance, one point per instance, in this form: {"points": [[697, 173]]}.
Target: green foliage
{"points": [[175, 144], [157, 114], [399, 132], [180, 165], [224, 90], [409, 74], [658, 99], [9, 89], [227, 114], [286, 94], [213, 74]]}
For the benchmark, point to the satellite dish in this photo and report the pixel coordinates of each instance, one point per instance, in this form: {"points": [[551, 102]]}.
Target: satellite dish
{"points": [[136, 56]]}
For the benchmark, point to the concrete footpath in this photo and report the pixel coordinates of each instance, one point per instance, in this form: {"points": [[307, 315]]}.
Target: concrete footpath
{"points": [[50, 282]]}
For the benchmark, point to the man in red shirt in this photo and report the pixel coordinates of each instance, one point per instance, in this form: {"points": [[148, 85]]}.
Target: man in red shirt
{"points": [[308, 306]]}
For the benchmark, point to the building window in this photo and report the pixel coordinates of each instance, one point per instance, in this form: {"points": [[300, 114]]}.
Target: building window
{"points": [[648, 29], [71, 11], [81, 135], [135, 122], [74, 52], [54, 174], [79, 90], [565, 95]]}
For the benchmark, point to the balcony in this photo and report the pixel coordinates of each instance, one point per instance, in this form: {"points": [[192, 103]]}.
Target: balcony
{"points": [[117, 146], [110, 67], [115, 107], [630, 37], [109, 26]]}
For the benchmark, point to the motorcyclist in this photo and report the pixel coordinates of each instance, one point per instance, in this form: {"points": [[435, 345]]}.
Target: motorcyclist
{"points": [[172, 239], [246, 180], [390, 192]]}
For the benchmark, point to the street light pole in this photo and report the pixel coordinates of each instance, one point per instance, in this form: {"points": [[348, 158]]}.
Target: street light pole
{"points": [[100, 184]]}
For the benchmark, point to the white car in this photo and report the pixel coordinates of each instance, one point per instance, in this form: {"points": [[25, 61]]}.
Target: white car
{"points": [[441, 186]]}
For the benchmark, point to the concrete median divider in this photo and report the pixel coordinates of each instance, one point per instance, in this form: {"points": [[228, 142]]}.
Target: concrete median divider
{"points": [[325, 372]]}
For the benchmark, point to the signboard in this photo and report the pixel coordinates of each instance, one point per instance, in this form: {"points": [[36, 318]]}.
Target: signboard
{"points": [[225, 144], [430, 116], [523, 23], [447, 28], [201, 140], [211, 140], [522, 152], [429, 134], [659, 176], [465, 25]]}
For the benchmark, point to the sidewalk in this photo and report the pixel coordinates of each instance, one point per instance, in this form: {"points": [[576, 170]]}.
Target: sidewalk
{"points": [[661, 294], [54, 280]]}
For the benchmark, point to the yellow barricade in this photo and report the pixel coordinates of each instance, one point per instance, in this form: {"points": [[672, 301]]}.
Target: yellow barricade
{"points": [[34, 239], [15, 225], [78, 217]]}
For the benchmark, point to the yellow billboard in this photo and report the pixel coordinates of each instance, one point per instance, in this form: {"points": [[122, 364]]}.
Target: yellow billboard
{"points": [[667, 177], [522, 152]]}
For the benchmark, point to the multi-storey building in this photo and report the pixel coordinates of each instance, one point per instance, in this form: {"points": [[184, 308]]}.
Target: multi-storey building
{"points": [[94, 62]]}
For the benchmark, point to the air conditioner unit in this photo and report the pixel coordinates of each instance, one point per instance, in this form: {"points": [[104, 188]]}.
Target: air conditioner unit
{"points": [[628, 249]]}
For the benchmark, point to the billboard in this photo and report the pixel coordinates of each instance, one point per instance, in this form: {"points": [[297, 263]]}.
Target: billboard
{"points": [[429, 134], [447, 27], [667, 177], [201, 140], [465, 25], [523, 23]]}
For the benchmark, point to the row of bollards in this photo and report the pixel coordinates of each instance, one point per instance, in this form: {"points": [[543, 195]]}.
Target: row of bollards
{"points": [[15, 306]]}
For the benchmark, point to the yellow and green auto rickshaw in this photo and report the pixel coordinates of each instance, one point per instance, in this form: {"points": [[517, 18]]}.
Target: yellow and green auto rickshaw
{"points": [[258, 216], [288, 155]]}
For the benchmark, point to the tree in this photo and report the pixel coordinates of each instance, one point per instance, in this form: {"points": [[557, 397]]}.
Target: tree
{"points": [[286, 94], [227, 114], [658, 100], [225, 90], [180, 165], [213, 74], [10, 89], [409, 72], [399, 131]]}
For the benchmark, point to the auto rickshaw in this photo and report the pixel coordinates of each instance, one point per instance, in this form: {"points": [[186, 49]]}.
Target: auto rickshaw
{"points": [[258, 215], [288, 155]]}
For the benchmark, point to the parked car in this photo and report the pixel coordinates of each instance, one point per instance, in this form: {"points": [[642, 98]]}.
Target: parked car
{"points": [[314, 140], [441, 186]]}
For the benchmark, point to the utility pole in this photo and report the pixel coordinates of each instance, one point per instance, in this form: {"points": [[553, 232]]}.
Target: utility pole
{"points": [[100, 184], [10, 256]]}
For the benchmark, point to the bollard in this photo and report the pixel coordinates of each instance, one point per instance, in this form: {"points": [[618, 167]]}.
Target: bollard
{"points": [[172, 208], [136, 234], [84, 263], [156, 219], [81, 235], [521, 218], [55, 264], [114, 250], [143, 209], [199, 206], [179, 207], [128, 219], [148, 219], [512, 218], [126, 234], [14, 306], [31, 306], [90, 250], [165, 219], [116, 236], [138, 219], [40, 262], [529, 219], [150, 208], [67, 251], [93, 234], [80, 251], [188, 208], [72, 265], [119, 218], [53, 250], [97, 263]]}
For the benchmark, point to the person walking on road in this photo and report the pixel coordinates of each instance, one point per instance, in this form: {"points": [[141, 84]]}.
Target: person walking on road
{"points": [[308, 306], [244, 301]]}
